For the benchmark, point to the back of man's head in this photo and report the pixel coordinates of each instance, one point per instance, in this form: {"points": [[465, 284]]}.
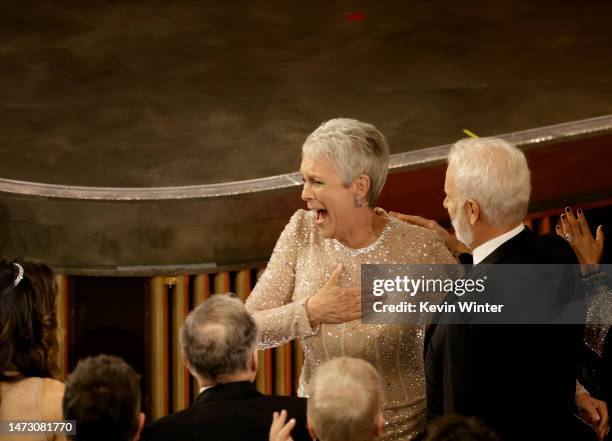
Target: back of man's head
{"points": [[219, 338], [103, 396], [345, 401], [495, 174]]}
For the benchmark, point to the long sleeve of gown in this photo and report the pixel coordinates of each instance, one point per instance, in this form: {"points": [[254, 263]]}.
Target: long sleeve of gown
{"points": [[598, 290], [279, 317]]}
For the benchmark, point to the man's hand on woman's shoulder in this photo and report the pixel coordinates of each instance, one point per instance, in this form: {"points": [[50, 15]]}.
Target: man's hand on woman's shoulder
{"points": [[452, 243]]}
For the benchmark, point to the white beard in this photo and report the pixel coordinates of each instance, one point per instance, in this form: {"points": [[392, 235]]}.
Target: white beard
{"points": [[463, 231]]}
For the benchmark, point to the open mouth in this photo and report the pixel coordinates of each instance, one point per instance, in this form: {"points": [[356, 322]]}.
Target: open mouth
{"points": [[320, 215]]}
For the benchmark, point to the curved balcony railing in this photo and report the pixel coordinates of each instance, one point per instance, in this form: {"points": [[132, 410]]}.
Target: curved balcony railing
{"points": [[398, 162]]}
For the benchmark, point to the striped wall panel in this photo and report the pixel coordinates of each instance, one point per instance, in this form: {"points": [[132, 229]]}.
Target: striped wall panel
{"points": [[181, 397], [158, 372]]}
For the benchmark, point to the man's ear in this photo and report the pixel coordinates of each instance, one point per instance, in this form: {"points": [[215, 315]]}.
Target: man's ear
{"points": [[473, 211], [362, 185], [380, 424], [186, 362], [141, 421], [311, 431]]}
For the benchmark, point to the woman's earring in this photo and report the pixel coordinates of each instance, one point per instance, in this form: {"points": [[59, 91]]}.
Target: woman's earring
{"points": [[357, 201]]}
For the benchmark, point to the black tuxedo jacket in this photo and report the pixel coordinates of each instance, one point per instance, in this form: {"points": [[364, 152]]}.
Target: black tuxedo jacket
{"points": [[520, 379], [229, 412]]}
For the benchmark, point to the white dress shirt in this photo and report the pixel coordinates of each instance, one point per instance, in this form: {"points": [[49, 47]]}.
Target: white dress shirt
{"points": [[482, 251], [202, 389]]}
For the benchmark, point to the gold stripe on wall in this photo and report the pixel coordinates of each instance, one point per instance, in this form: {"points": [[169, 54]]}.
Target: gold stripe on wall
{"points": [[61, 308], [289, 367], [298, 357], [243, 284], [283, 372], [180, 374], [201, 288], [279, 370], [260, 379], [222, 283], [158, 363], [268, 372]]}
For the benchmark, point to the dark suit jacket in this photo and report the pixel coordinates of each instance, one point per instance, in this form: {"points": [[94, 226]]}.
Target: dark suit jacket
{"points": [[520, 379], [229, 412]]}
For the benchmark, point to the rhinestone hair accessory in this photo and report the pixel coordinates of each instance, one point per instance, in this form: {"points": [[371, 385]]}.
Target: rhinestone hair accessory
{"points": [[19, 274]]}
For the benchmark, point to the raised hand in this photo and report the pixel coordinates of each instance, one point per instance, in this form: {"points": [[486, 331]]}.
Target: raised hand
{"points": [[279, 430], [575, 229]]}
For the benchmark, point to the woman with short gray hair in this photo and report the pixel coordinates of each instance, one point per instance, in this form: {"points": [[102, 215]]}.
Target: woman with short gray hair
{"points": [[309, 289]]}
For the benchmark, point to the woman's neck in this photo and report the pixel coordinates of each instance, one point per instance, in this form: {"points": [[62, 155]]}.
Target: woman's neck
{"points": [[364, 229]]}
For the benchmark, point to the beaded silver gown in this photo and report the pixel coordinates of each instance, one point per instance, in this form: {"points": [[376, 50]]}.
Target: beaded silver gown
{"points": [[598, 287], [300, 265]]}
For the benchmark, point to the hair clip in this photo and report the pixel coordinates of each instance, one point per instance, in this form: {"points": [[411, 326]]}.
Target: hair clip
{"points": [[19, 274]]}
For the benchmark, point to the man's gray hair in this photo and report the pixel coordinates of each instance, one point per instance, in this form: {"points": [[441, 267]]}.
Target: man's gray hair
{"points": [[219, 337], [345, 400], [354, 148], [495, 174]]}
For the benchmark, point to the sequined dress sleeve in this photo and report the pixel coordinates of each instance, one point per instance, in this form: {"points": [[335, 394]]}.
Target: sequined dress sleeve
{"points": [[599, 309], [280, 317]]}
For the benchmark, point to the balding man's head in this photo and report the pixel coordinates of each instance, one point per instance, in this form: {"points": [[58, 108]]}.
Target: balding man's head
{"points": [[219, 338]]}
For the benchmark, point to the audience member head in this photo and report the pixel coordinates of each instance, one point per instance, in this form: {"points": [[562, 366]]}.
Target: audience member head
{"points": [[103, 397], [459, 428], [345, 401], [354, 148], [28, 323], [487, 188], [219, 340]]}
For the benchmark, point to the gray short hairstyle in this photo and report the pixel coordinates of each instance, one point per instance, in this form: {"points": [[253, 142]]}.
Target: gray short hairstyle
{"points": [[354, 148], [345, 400], [495, 174], [219, 337]]}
